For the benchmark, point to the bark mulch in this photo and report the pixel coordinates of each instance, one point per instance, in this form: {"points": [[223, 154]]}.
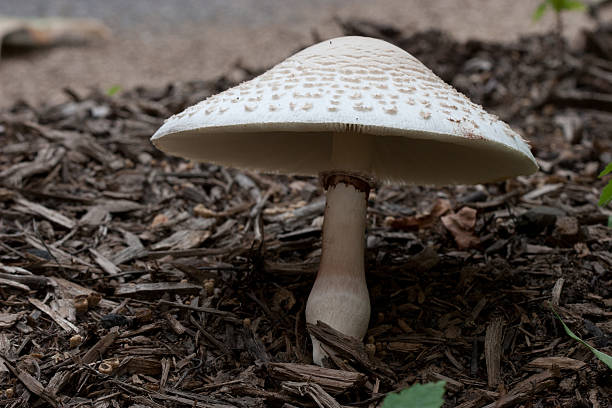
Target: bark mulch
{"points": [[129, 278]]}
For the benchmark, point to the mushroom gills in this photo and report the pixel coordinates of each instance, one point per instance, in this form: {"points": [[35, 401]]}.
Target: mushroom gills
{"points": [[352, 152]]}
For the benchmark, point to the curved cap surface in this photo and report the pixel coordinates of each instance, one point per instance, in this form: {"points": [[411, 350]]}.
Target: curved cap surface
{"points": [[356, 92]]}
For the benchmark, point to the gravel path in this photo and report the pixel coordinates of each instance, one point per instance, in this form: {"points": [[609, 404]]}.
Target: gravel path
{"points": [[156, 41]]}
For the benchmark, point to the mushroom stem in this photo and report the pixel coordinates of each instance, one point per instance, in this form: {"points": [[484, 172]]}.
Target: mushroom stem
{"points": [[339, 296]]}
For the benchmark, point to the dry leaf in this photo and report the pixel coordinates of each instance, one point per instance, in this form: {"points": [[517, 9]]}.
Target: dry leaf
{"points": [[283, 299], [159, 220], [421, 221], [9, 319], [461, 225]]}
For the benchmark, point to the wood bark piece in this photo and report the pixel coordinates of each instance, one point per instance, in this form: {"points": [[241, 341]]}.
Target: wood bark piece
{"points": [[583, 99], [119, 206], [209, 337], [59, 379], [563, 363], [183, 253], [165, 365], [404, 347], [52, 215], [68, 289], [134, 250], [255, 346], [63, 323], [98, 349], [9, 319], [175, 324], [106, 265], [34, 281], [185, 239], [140, 365], [211, 310], [14, 284], [57, 254], [46, 159], [30, 383], [525, 390], [493, 350], [314, 391], [540, 191], [156, 289], [451, 384], [94, 217], [348, 347], [81, 142], [556, 291], [331, 380], [190, 399]]}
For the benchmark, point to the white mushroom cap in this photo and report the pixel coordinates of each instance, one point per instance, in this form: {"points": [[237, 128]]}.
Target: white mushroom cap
{"points": [[413, 126]]}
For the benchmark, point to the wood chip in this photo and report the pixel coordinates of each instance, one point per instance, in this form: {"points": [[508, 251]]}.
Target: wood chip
{"points": [[556, 291], [538, 192], [314, 391], [96, 352], [493, 349], [30, 382], [9, 319], [27, 281], [106, 265], [63, 323], [185, 239], [563, 363], [403, 347], [139, 365], [156, 289], [51, 215], [349, 347], [525, 390], [94, 217], [13, 284], [174, 324], [333, 381], [46, 159]]}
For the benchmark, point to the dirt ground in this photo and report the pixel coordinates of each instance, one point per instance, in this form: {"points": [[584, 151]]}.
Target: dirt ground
{"points": [[200, 40]]}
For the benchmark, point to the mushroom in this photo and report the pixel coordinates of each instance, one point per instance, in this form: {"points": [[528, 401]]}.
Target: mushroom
{"points": [[350, 110]]}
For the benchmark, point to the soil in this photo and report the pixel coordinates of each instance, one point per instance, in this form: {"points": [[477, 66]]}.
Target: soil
{"points": [[130, 278]]}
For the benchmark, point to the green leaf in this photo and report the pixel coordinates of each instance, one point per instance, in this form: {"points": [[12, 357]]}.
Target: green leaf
{"points": [[430, 395], [607, 170], [563, 5], [113, 90], [573, 5], [606, 195], [606, 359], [539, 12], [558, 6]]}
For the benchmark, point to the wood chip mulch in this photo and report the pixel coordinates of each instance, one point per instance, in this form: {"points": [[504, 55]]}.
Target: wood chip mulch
{"points": [[129, 278]]}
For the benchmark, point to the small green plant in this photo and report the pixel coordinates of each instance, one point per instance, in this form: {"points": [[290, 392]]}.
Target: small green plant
{"points": [[606, 359], [606, 193], [113, 90], [558, 6], [430, 395]]}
